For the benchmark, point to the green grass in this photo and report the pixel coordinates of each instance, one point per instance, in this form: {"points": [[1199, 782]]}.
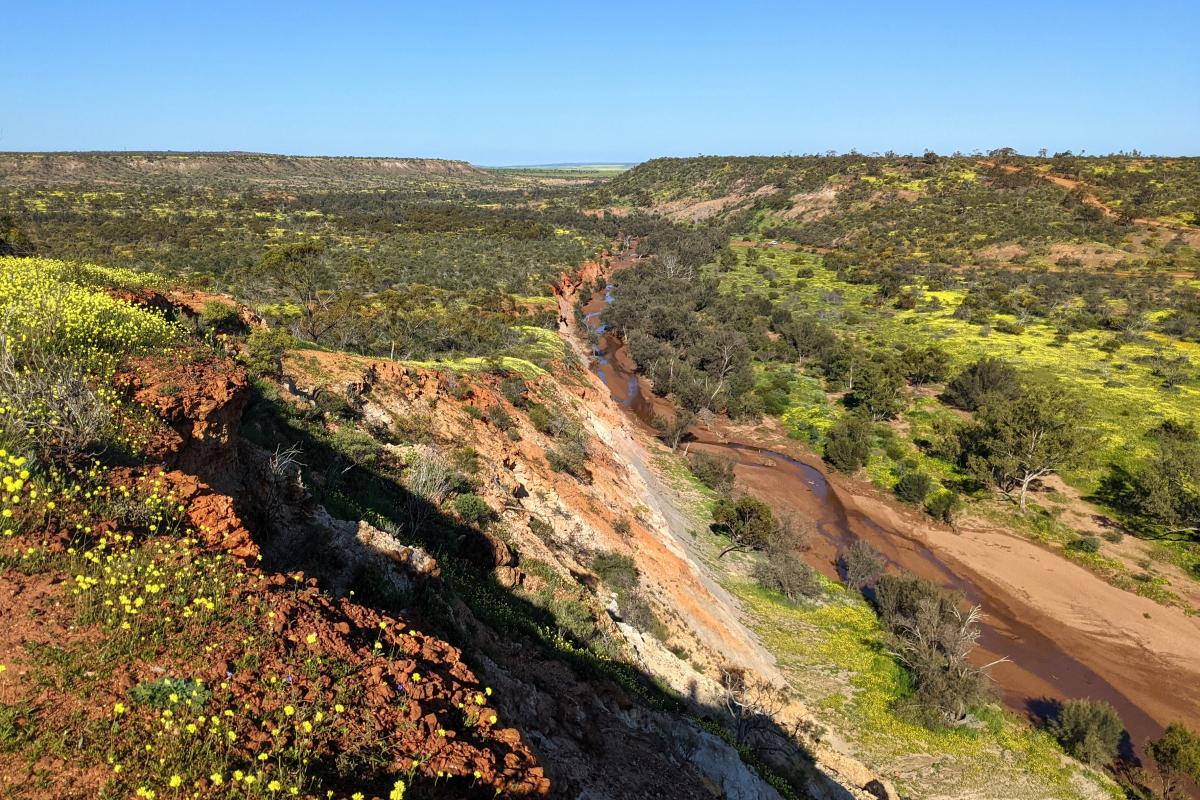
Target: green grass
{"points": [[834, 654]]}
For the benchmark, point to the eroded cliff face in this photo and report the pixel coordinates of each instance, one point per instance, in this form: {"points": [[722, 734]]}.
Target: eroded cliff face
{"points": [[576, 733], [593, 737], [415, 692], [550, 528]]}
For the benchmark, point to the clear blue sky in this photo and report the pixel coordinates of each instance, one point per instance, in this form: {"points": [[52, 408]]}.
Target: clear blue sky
{"points": [[507, 82]]}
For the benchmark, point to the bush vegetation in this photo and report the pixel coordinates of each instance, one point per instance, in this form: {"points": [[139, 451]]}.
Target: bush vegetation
{"points": [[1090, 730], [934, 637]]}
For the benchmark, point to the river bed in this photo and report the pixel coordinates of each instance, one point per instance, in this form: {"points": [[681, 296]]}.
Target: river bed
{"points": [[1036, 670]]}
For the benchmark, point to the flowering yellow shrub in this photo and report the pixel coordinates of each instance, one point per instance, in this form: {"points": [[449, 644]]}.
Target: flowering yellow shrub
{"points": [[54, 307], [61, 340]]}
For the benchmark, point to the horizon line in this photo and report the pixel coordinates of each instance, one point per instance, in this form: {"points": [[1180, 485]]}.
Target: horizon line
{"points": [[976, 153]]}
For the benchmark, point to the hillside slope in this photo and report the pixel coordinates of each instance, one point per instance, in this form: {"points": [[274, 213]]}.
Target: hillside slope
{"points": [[244, 578], [1002, 209], [141, 617]]}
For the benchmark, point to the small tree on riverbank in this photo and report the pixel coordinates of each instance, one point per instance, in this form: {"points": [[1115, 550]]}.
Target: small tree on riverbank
{"points": [[848, 443], [747, 521], [1176, 757], [1090, 730], [934, 637], [862, 565], [672, 429], [1017, 442]]}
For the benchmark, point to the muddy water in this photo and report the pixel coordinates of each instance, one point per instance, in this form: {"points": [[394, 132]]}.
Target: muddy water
{"points": [[1036, 669]]}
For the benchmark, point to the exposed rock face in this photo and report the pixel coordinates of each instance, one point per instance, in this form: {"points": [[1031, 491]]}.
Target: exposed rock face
{"points": [[721, 765], [593, 739], [212, 515], [201, 398], [409, 560]]}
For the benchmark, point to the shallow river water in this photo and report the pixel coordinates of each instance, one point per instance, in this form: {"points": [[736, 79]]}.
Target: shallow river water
{"points": [[1036, 671]]}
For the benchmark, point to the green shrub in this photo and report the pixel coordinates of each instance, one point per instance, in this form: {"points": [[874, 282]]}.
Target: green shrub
{"points": [[551, 421], [1085, 544], [569, 457], [713, 471], [784, 571], [218, 315], [848, 444], [515, 391], [913, 487], [539, 417], [899, 597], [465, 459], [335, 404], [356, 448], [499, 417], [473, 509], [415, 427], [749, 523], [265, 348], [616, 569], [1090, 730], [986, 379], [943, 505], [637, 611]]}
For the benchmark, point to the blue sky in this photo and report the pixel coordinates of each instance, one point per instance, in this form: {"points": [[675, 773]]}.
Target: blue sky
{"points": [[511, 82]]}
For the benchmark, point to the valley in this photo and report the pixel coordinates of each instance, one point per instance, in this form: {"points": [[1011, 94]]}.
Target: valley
{"points": [[623, 401], [1014, 581], [692, 467]]}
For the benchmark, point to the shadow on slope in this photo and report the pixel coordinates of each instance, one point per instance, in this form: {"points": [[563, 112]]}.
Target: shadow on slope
{"points": [[596, 724]]}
